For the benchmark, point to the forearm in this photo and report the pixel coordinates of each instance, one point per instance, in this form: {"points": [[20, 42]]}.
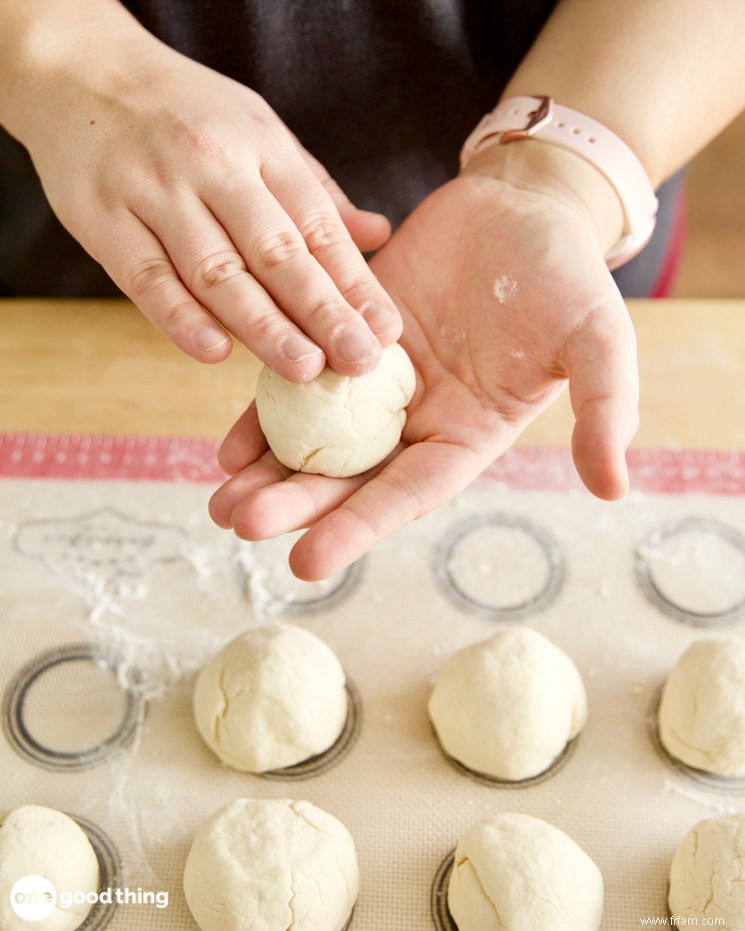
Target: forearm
{"points": [[665, 75]]}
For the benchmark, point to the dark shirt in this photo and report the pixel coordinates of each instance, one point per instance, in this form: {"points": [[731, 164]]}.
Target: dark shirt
{"points": [[382, 92]]}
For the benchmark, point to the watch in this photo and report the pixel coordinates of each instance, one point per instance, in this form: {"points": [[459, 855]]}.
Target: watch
{"points": [[541, 118]]}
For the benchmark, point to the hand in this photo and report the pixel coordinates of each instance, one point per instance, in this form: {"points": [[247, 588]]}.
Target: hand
{"points": [[207, 212], [505, 296]]}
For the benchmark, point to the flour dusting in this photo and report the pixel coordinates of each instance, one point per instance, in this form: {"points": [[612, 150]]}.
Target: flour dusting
{"points": [[453, 333], [691, 794], [505, 289]]}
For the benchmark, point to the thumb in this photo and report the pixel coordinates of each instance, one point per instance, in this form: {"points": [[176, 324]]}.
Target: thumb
{"points": [[600, 362]]}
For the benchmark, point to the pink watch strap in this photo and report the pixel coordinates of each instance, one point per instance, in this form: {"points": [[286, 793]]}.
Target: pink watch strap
{"points": [[539, 117]]}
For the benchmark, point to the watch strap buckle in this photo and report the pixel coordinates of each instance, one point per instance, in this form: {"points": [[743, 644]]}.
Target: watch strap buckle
{"points": [[538, 118]]}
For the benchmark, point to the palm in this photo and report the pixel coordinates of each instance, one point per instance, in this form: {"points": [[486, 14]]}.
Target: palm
{"points": [[503, 295]]}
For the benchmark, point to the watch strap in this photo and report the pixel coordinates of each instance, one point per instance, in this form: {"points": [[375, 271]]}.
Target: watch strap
{"points": [[541, 118]]}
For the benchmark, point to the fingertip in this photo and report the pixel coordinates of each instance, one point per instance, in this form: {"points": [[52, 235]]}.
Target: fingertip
{"points": [[300, 372], [384, 321], [243, 444], [207, 344], [187, 325], [219, 514], [611, 486], [391, 336], [354, 351], [621, 487], [232, 507], [602, 468], [248, 518], [299, 359], [217, 352], [357, 369], [305, 566], [369, 231], [232, 456], [227, 458], [375, 219]]}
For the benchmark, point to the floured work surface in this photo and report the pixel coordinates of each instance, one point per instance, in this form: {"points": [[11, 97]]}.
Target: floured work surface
{"points": [[132, 576]]}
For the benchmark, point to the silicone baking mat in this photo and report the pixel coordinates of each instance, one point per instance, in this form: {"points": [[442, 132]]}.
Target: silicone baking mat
{"points": [[116, 589]]}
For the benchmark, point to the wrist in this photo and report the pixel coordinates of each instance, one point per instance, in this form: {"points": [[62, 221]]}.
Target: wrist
{"points": [[52, 53], [542, 168], [540, 118]]}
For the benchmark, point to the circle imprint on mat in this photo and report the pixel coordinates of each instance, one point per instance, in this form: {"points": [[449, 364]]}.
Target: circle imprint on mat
{"points": [[73, 706], [441, 916], [693, 569], [322, 762], [709, 780], [269, 583], [110, 874], [502, 565], [558, 763]]}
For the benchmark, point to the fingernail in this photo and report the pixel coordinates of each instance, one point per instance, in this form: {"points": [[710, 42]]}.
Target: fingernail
{"points": [[298, 348], [378, 317], [354, 347], [210, 338]]}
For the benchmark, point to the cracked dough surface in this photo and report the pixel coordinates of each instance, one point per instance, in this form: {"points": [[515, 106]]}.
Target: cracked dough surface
{"points": [[336, 425], [707, 874], [38, 841], [271, 865], [273, 697], [702, 709], [508, 706], [518, 873]]}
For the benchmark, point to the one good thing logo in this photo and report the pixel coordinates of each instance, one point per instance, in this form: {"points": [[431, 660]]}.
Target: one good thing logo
{"points": [[33, 898]]}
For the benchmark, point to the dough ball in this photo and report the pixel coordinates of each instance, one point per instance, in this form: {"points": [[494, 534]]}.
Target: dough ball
{"points": [[707, 875], [276, 865], [701, 716], [507, 706], [518, 872], [37, 841], [336, 425], [272, 698]]}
